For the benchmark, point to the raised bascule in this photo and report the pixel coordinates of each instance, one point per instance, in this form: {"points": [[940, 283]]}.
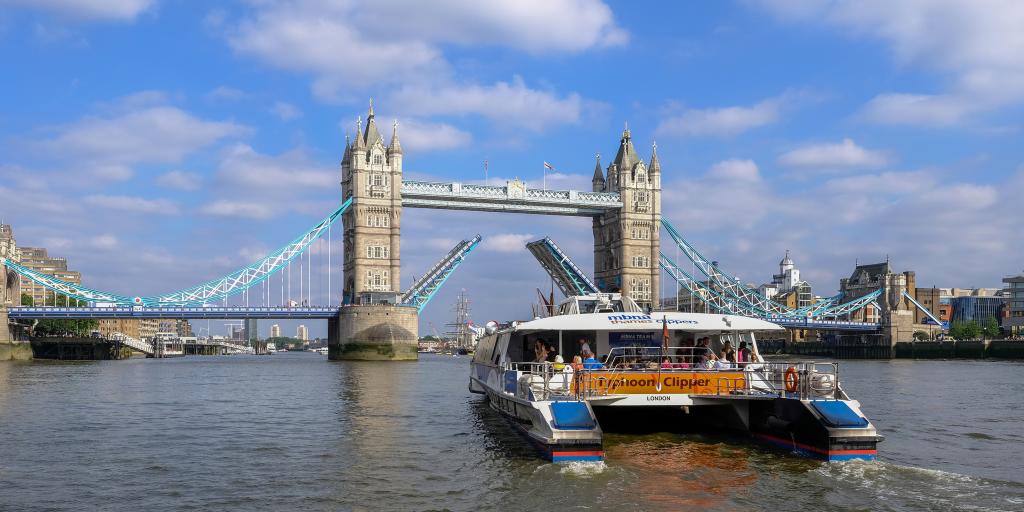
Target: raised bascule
{"points": [[375, 319]]}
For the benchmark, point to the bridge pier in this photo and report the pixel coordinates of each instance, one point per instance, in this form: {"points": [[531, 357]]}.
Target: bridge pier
{"points": [[374, 332], [11, 349]]}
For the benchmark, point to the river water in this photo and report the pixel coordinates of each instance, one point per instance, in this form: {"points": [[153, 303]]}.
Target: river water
{"points": [[296, 432]]}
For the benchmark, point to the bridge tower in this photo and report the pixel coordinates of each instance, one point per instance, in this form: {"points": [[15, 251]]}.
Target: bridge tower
{"points": [[371, 173], [627, 241], [372, 326], [10, 349]]}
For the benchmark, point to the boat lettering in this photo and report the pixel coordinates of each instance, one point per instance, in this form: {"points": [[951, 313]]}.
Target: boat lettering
{"points": [[680, 383], [639, 318], [658, 398]]}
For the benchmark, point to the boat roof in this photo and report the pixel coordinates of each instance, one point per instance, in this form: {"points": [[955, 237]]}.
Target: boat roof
{"points": [[627, 321]]}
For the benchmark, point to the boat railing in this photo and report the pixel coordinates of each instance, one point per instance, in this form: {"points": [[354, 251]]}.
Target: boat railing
{"points": [[804, 380], [541, 381]]}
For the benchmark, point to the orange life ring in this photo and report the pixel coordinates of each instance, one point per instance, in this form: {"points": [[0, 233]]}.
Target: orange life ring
{"points": [[792, 380]]}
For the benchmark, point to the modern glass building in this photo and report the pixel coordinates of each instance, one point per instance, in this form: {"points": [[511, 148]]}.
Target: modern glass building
{"points": [[978, 309]]}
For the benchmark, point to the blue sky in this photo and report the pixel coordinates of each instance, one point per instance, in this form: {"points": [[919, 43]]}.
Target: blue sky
{"points": [[157, 144]]}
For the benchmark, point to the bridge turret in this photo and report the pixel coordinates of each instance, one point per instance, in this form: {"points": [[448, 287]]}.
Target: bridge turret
{"points": [[395, 148], [598, 182], [626, 241]]}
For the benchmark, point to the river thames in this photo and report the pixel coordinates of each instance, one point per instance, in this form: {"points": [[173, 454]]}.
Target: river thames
{"points": [[296, 432]]}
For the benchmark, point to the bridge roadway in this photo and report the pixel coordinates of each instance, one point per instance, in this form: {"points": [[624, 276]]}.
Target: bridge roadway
{"points": [[823, 325], [197, 313], [317, 312]]}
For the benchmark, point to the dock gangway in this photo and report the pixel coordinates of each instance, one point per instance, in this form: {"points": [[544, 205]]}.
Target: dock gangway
{"points": [[569, 278], [424, 289], [134, 343]]}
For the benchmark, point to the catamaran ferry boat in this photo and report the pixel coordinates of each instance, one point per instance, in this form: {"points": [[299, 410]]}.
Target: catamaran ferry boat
{"points": [[650, 372]]}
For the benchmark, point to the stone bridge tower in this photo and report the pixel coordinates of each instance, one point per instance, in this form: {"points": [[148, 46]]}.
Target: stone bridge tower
{"points": [[371, 173], [627, 241]]}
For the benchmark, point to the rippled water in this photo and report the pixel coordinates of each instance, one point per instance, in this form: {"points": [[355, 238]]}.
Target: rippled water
{"points": [[293, 431]]}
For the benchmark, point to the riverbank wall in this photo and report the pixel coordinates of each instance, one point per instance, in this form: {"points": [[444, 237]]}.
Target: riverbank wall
{"points": [[970, 349]]}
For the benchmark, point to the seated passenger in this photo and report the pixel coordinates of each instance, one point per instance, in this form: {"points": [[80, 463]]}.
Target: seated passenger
{"points": [[559, 364], [551, 353], [539, 355], [590, 363], [666, 364], [577, 363], [726, 348]]}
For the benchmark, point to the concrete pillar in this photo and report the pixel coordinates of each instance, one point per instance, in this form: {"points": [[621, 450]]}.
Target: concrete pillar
{"points": [[11, 350], [377, 332]]}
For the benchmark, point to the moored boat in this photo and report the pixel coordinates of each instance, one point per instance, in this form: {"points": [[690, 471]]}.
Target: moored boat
{"points": [[641, 372]]}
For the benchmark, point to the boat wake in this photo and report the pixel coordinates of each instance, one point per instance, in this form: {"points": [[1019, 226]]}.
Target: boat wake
{"points": [[582, 469], [885, 485]]}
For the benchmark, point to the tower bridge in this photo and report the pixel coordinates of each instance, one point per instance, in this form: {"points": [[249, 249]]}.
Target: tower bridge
{"points": [[376, 319]]}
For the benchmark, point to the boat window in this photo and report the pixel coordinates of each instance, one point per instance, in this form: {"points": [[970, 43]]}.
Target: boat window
{"points": [[587, 306]]}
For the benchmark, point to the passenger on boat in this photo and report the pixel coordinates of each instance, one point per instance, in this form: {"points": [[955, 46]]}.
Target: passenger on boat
{"points": [[551, 353], [539, 351], [590, 363], [726, 348], [577, 363], [584, 346], [743, 355], [666, 364], [559, 364]]}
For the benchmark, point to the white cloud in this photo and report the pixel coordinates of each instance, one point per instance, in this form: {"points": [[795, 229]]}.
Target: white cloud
{"points": [[419, 136], [133, 204], [503, 102], [350, 48], [118, 10], [722, 121], [151, 134], [843, 155], [506, 242], [226, 93], [245, 209], [977, 43], [736, 170], [245, 167], [180, 180], [920, 109], [104, 242], [285, 111], [361, 44]]}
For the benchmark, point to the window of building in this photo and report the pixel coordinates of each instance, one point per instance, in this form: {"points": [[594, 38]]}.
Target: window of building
{"points": [[640, 289], [641, 177], [378, 280], [378, 160], [378, 220], [641, 233], [378, 251], [642, 261]]}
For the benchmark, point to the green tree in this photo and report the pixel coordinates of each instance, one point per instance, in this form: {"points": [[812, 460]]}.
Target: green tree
{"points": [[965, 330], [920, 336], [51, 327], [991, 328]]}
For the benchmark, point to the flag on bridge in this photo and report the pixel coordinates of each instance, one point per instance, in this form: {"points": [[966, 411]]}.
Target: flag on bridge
{"points": [[549, 166]]}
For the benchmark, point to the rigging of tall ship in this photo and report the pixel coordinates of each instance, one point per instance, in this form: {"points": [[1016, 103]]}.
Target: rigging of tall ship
{"points": [[601, 364]]}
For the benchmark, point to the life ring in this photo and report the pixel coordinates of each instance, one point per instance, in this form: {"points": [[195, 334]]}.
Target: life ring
{"points": [[792, 380]]}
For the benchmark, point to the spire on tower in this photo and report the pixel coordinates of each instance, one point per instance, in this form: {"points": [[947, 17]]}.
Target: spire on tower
{"points": [[655, 166], [360, 141], [371, 136], [395, 146], [598, 180]]}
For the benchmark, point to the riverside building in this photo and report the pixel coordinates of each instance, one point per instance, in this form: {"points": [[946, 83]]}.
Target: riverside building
{"points": [[1013, 293]]}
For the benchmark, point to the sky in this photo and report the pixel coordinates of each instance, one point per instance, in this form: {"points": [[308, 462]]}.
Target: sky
{"points": [[158, 144]]}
